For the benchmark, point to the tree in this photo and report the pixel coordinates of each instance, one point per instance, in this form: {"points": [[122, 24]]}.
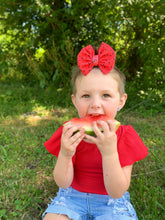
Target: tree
{"points": [[47, 36]]}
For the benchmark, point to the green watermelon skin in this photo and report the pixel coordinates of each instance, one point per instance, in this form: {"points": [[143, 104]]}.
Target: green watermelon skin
{"points": [[87, 123]]}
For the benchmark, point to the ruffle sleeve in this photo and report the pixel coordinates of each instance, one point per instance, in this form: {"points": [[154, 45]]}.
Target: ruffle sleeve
{"points": [[54, 143], [130, 146]]}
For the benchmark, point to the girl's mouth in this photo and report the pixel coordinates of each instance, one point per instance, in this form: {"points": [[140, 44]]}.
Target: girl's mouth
{"points": [[95, 114]]}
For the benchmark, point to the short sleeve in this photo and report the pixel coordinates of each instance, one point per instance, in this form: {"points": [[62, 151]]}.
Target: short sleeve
{"points": [[130, 146], [54, 143]]}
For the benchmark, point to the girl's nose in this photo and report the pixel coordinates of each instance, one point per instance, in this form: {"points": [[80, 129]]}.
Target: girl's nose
{"points": [[95, 103]]}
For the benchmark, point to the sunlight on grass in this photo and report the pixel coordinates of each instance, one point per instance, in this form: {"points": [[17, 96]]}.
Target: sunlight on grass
{"points": [[26, 166], [41, 177], [38, 114]]}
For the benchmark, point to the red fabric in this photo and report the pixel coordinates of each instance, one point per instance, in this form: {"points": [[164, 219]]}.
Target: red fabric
{"points": [[88, 174], [105, 59]]}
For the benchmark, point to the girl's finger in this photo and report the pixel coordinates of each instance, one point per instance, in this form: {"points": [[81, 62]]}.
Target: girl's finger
{"points": [[96, 129], [112, 125], [90, 138], [69, 130], [77, 137], [104, 127]]}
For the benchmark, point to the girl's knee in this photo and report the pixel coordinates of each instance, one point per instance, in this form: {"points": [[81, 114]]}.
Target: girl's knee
{"points": [[51, 216]]}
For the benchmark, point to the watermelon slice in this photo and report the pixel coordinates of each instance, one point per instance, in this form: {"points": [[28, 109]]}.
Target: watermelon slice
{"points": [[87, 122]]}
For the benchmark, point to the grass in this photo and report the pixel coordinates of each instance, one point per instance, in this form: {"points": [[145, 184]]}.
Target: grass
{"points": [[28, 117]]}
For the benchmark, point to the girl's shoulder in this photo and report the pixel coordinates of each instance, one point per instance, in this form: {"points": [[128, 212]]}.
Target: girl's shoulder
{"points": [[125, 129], [54, 143], [130, 146]]}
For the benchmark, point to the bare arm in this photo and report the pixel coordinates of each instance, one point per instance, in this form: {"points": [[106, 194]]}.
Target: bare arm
{"points": [[116, 178], [63, 172]]}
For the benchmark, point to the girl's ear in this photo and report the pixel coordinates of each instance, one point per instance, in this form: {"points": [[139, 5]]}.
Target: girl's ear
{"points": [[122, 100], [73, 100]]}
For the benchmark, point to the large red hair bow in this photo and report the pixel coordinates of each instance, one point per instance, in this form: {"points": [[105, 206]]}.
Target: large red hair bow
{"points": [[105, 59]]}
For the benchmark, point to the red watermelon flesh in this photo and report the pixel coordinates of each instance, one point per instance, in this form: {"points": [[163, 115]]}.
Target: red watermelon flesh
{"points": [[87, 122]]}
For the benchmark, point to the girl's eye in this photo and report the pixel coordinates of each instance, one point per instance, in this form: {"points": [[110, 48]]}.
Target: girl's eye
{"points": [[85, 96], [106, 95]]}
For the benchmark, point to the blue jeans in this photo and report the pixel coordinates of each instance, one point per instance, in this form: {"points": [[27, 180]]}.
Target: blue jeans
{"points": [[88, 206]]}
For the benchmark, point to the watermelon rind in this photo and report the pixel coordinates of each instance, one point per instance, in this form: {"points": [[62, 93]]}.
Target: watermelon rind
{"points": [[89, 130]]}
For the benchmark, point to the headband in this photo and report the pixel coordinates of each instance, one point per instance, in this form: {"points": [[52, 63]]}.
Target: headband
{"points": [[105, 59]]}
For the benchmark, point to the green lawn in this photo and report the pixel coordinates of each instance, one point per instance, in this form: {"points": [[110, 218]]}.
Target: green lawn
{"points": [[28, 117]]}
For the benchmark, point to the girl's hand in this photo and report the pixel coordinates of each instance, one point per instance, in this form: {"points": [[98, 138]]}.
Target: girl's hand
{"points": [[106, 141], [72, 135]]}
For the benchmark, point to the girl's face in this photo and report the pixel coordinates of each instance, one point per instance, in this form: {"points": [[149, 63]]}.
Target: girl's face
{"points": [[97, 94]]}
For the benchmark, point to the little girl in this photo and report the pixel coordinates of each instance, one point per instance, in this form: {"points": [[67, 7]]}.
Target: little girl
{"points": [[94, 173]]}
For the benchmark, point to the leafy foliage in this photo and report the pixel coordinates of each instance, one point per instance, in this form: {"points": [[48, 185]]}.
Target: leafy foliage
{"points": [[134, 28]]}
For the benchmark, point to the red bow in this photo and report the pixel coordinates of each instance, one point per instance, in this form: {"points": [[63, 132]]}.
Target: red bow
{"points": [[105, 59]]}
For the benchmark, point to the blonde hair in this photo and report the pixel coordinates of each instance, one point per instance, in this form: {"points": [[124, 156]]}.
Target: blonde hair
{"points": [[115, 72]]}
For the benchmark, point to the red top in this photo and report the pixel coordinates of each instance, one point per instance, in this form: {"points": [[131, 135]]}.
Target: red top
{"points": [[87, 161]]}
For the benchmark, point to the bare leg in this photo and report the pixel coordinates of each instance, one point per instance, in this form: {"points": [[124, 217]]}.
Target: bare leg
{"points": [[50, 216]]}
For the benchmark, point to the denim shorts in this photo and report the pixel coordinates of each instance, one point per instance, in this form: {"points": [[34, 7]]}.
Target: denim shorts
{"points": [[88, 206]]}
